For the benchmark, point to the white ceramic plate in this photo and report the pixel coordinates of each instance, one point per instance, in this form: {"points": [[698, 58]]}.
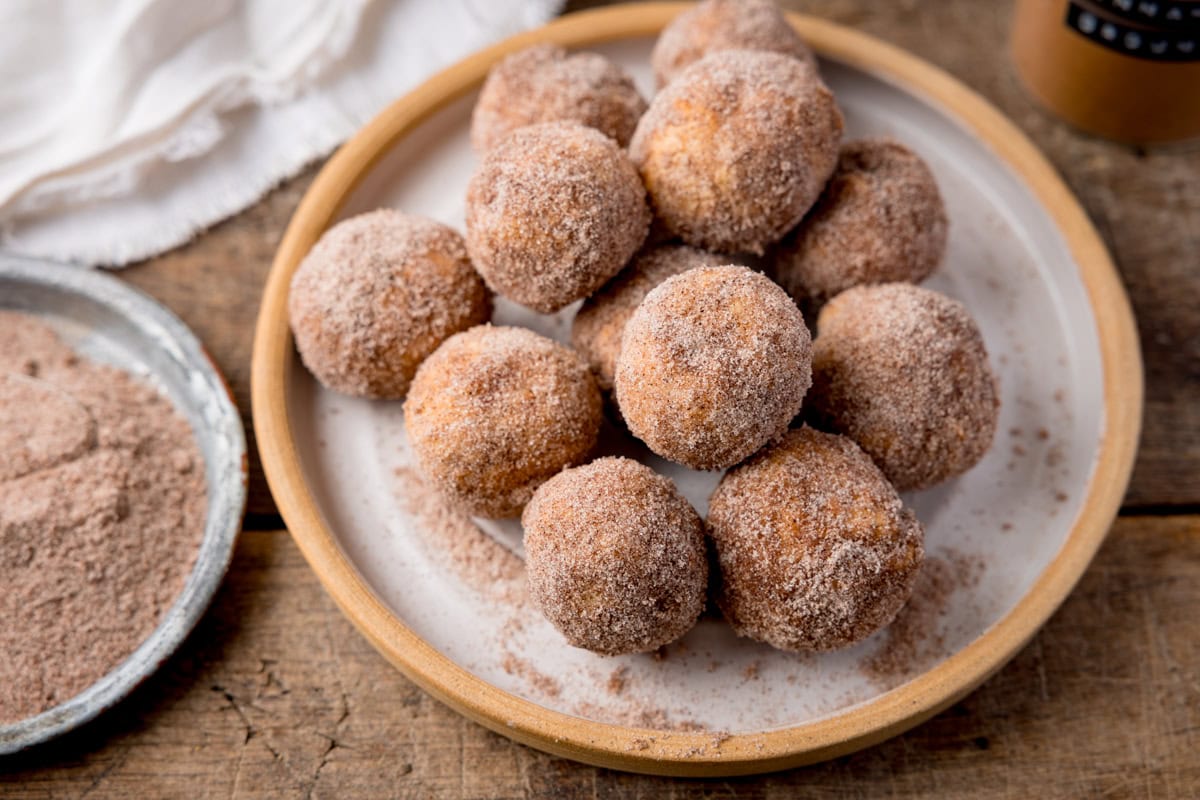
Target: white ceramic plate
{"points": [[1007, 517], [995, 536]]}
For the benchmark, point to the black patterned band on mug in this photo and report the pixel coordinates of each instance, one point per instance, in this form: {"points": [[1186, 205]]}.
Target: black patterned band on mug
{"points": [[1149, 29]]}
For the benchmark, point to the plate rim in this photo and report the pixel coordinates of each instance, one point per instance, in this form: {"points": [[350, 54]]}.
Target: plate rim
{"points": [[215, 551], [616, 746]]}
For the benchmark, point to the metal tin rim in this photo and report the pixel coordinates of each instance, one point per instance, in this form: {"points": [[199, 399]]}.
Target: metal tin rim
{"points": [[226, 486]]}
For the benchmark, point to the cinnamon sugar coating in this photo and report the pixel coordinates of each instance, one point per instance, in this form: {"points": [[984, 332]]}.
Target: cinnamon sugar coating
{"points": [[880, 219], [544, 83], [495, 411], [715, 25], [815, 549], [376, 295], [553, 212], [600, 322], [615, 557], [903, 372], [735, 150], [714, 363]]}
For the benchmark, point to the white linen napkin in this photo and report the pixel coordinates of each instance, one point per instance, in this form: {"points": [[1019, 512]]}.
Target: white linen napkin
{"points": [[127, 126]]}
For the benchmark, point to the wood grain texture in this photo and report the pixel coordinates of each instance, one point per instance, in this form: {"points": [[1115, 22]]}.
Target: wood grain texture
{"points": [[276, 695]]}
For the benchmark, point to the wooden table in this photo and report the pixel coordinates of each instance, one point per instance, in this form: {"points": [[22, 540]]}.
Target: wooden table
{"points": [[275, 694]]}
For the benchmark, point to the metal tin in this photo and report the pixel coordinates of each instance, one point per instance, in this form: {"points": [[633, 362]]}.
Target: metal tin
{"points": [[110, 322]]}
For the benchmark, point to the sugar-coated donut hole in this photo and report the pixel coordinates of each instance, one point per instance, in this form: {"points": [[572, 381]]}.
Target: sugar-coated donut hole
{"points": [[544, 83], [815, 549], [553, 212], [616, 557], [714, 363], [903, 372], [736, 149], [715, 25], [376, 295], [495, 412], [880, 219]]}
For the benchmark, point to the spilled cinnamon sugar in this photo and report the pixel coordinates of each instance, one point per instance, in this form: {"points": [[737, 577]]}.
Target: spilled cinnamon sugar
{"points": [[912, 642]]}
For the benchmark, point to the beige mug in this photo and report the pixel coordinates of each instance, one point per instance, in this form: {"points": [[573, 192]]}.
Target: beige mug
{"points": [[1124, 69]]}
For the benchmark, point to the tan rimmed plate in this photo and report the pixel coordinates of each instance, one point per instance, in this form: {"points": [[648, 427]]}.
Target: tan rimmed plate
{"points": [[1014, 534]]}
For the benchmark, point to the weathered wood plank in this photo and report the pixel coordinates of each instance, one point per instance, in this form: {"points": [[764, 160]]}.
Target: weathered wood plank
{"points": [[277, 695]]}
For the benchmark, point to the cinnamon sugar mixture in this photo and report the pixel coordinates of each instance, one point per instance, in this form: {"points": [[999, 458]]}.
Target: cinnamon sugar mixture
{"points": [[102, 509], [475, 557], [912, 643]]}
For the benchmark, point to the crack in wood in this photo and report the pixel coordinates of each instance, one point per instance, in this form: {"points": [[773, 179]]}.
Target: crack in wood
{"points": [[333, 744], [251, 729], [104, 773]]}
